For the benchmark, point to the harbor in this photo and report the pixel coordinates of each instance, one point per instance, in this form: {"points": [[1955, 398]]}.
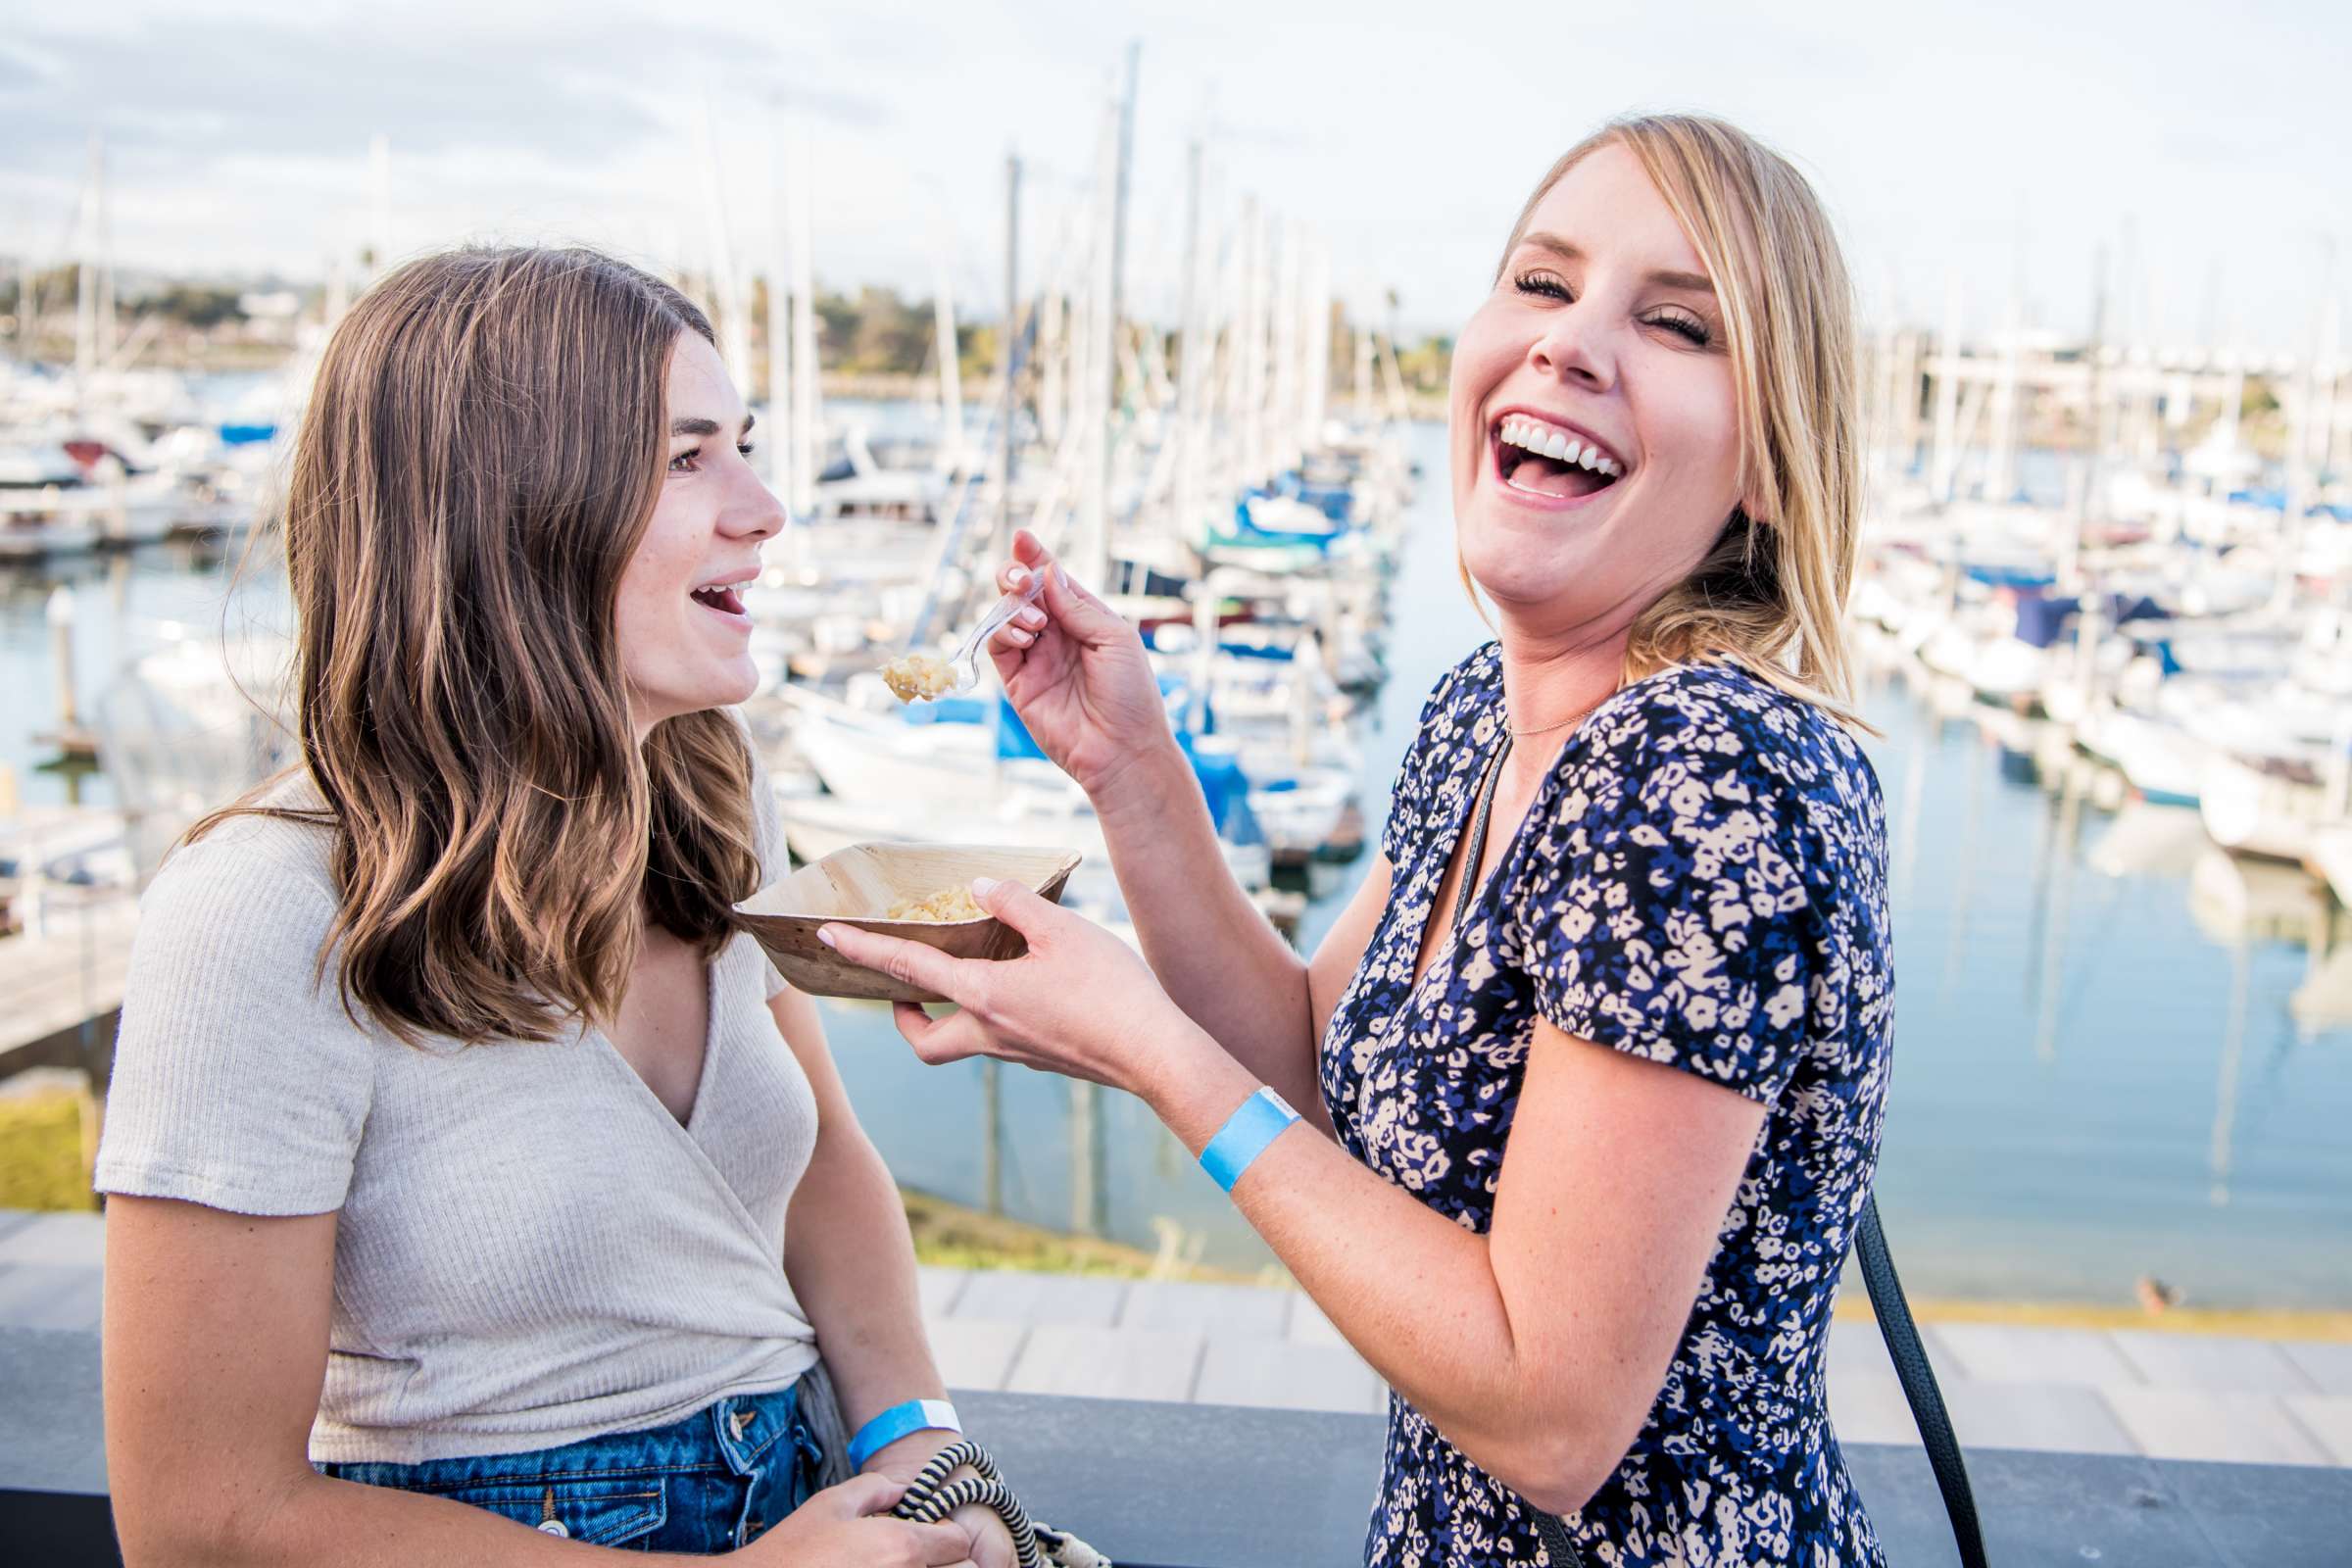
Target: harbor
{"points": [[2121, 1047], [1207, 306], [2103, 627]]}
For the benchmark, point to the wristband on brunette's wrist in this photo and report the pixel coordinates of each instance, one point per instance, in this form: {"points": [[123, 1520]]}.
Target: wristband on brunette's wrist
{"points": [[900, 1421]]}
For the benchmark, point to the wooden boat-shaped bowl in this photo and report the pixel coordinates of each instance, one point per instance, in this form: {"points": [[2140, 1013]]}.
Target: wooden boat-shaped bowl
{"points": [[856, 885]]}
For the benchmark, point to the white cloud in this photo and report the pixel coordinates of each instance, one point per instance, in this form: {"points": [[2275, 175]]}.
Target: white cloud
{"points": [[1994, 141]]}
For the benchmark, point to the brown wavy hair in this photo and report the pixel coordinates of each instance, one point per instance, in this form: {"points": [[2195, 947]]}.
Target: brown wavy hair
{"points": [[478, 462], [1770, 592]]}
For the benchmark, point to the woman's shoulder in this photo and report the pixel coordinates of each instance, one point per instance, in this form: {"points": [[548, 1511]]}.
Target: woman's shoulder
{"points": [[1716, 726], [259, 881], [1723, 708], [239, 1080], [1471, 687]]}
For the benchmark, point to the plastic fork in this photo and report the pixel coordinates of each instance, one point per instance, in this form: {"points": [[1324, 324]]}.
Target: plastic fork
{"points": [[965, 660]]}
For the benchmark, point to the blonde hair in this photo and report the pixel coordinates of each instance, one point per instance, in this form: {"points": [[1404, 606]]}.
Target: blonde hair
{"points": [[1771, 593], [479, 459]]}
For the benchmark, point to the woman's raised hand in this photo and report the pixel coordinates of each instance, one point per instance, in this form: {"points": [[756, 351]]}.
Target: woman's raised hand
{"points": [[849, 1526], [1076, 673]]}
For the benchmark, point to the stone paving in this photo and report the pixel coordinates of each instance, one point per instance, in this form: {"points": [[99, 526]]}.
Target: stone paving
{"points": [[2168, 1396]]}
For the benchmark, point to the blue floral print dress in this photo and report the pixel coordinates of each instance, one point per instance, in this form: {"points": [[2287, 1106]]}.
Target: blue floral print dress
{"points": [[1702, 881]]}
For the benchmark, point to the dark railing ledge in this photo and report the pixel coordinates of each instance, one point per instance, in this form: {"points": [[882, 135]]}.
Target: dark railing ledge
{"points": [[1190, 1486]]}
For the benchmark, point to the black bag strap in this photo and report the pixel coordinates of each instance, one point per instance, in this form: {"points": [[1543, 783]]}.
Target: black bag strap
{"points": [[1920, 1391]]}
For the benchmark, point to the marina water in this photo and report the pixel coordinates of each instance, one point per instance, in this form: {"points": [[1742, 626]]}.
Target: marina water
{"points": [[2097, 1079]]}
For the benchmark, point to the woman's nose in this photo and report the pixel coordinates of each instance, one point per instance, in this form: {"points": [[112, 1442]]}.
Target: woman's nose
{"points": [[752, 511], [1574, 347]]}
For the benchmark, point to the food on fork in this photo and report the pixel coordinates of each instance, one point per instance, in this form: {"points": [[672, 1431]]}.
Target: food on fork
{"points": [[918, 677]]}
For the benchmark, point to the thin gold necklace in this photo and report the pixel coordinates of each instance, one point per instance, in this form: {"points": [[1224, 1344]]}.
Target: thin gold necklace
{"points": [[1546, 729]]}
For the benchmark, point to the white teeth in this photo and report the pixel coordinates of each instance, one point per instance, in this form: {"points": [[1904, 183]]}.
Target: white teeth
{"points": [[1547, 441]]}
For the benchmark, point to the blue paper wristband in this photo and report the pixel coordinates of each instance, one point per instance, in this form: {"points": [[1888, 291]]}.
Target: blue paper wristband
{"points": [[915, 1415], [1260, 1120]]}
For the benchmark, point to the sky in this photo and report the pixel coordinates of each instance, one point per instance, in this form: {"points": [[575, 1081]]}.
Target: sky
{"points": [[1993, 150]]}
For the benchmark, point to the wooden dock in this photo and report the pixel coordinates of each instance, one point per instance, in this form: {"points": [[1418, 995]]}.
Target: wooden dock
{"points": [[63, 985]]}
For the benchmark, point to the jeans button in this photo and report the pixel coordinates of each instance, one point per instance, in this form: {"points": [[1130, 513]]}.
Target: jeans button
{"points": [[553, 1526]]}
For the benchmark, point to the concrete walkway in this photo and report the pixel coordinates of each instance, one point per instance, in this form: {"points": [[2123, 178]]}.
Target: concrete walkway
{"points": [[2166, 1396]]}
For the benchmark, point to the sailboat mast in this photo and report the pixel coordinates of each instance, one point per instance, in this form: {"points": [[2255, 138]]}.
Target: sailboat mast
{"points": [[1118, 220], [2069, 560], [805, 367], [780, 461], [1009, 349], [734, 329], [85, 281], [951, 372], [1192, 370], [1090, 396], [379, 203]]}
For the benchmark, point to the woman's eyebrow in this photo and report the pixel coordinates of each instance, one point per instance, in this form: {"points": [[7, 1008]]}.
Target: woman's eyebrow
{"points": [[695, 424], [1696, 283]]}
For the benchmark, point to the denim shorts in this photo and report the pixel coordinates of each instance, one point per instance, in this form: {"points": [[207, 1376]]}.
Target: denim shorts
{"points": [[709, 1484]]}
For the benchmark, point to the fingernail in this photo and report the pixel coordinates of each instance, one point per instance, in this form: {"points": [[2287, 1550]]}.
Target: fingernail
{"points": [[1062, 577], [824, 934], [983, 886], [1017, 576]]}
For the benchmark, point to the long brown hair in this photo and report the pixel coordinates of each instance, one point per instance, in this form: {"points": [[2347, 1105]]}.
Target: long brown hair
{"points": [[478, 462], [1771, 593]]}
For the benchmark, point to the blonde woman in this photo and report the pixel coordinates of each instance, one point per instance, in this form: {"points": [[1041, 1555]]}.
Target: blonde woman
{"points": [[1592, 1068], [476, 1197]]}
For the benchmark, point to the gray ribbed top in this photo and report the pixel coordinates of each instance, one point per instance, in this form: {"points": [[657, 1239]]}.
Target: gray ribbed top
{"points": [[531, 1249]]}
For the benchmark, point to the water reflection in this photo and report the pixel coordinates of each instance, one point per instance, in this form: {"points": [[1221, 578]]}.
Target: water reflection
{"points": [[2134, 948]]}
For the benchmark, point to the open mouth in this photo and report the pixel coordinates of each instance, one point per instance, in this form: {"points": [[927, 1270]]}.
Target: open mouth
{"points": [[1536, 458], [720, 598]]}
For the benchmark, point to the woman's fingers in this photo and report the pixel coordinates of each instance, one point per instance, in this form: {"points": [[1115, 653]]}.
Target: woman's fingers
{"points": [[1078, 612], [909, 961], [1019, 907], [1028, 556], [1064, 600], [862, 1495], [939, 1041], [943, 1546]]}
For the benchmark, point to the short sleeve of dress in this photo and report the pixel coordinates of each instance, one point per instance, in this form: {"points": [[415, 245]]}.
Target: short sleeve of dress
{"points": [[1665, 911], [237, 1083]]}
